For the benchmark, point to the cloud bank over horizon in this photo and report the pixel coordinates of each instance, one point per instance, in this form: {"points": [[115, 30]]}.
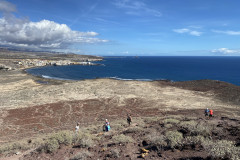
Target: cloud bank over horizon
{"points": [[42, 35], [227, 51]]}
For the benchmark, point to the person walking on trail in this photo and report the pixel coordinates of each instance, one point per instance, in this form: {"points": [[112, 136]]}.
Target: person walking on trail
{"points": [[107, 125], [77, 128], [206, 112], [210, 113], [129, 119]]}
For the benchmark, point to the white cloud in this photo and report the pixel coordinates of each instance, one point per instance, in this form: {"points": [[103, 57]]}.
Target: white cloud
{"points": [[235, 33], [125, 52], [42, 35], [7, 7], [188, 31], [226, 51], [136, 7], [195, 33], [183, 30]]}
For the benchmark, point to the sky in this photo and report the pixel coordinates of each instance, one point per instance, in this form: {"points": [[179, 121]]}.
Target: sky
{"points": [[123, 27]]}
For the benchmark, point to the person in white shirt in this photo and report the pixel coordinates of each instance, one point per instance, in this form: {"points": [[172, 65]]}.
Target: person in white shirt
{"points": [[77, 128]]}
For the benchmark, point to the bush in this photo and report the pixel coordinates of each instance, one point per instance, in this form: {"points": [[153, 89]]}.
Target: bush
{"points": [[20, 145], [174, 139], [81, 155], [157, 141], [178, 117], [51, 145], [140, 122], [63, 137], [168, 126], [122, 139], [117, 127], [115, 153], [195, 128], [134, 130], [84, 140], [93, 129], [11, 147], [152, 119], [171, 121], [193, 140], [222, 149]]}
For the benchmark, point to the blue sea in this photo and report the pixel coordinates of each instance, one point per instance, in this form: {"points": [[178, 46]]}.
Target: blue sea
{"points": [[149, 68]]}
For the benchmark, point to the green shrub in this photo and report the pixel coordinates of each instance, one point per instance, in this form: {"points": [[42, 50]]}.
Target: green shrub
{"points": [[195, 128], [171, 121], [11, 147], [178, 117], [190, 125], [55, 139], [84, 140], [122, 139], [159, 141], [81, 155], [63, 137], [140, 122], [222, 149], [51, 145], [151, 119], [20, 145], [115, 153], [193, 140], [174, 138], [134, 130], [92, 129], [168, 126], [117, 127]]}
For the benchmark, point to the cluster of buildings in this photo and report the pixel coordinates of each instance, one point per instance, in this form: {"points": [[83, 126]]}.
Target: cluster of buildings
{"points": [[26, 63]]}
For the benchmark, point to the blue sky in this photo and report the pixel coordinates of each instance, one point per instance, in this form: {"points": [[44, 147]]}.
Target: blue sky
{"points": [[123, 27]]}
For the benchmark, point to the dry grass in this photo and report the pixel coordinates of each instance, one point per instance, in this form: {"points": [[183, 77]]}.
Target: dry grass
{"points": [[84, 140], [195, 128], [171, 121], [134, 130], [117, 139], [222, 149], [174, 139], [154, 139], [152, 119], [115, 153], [82, 155], [20, 145]]}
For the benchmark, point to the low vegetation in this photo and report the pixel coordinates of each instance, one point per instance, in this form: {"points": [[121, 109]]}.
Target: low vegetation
{"points": [[119, 139], [153, 135]]}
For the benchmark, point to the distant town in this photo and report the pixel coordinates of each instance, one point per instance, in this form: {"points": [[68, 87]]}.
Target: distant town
{"points": [[11, 60]]}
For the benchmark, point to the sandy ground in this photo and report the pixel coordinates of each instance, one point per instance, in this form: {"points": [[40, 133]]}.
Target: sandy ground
{"points": [[19, 90], [28, 108]]}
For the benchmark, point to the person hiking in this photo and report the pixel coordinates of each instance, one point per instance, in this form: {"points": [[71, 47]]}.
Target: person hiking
{"points": [[210, 113], [107, 125], [129, 119], [77, 128], [206, 112]]}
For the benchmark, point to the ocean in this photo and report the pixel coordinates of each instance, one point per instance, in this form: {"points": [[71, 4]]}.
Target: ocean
{"points": [[149, 68]]}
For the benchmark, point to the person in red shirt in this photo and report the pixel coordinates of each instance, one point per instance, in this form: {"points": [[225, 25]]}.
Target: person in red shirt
{"points": [[211, 113]]}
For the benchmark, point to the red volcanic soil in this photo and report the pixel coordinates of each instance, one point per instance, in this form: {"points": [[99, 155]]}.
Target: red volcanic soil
{"points": [[33, 121], [26, 122]]}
